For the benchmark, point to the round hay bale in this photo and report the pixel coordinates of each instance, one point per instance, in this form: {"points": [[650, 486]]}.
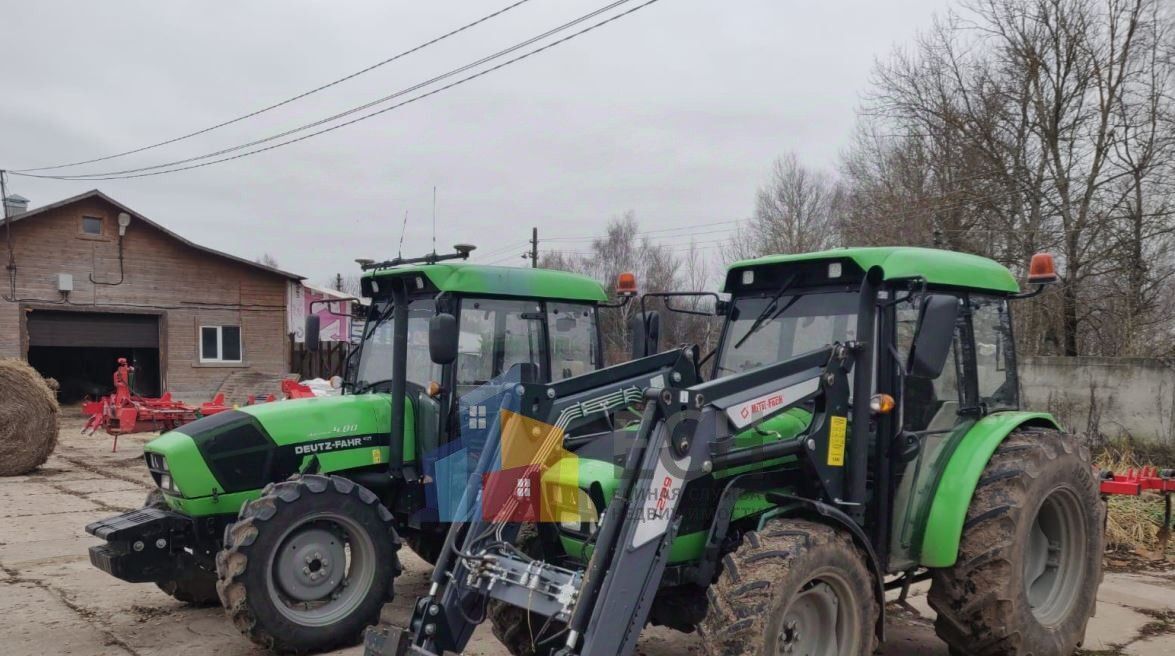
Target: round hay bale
{"points": [[28, 418]]}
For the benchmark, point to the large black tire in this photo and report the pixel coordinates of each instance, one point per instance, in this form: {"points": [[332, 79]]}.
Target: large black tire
{"points": [[521, 631], [764, 586], [1038, 482], [275, 530], [195, 586]]}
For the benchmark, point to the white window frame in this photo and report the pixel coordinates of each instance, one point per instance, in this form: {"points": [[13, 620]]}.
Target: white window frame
{"points": [[220, 344]]}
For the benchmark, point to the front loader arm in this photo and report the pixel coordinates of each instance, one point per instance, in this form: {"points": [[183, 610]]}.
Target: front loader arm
{"points": [[444, 619], [686, 434]]}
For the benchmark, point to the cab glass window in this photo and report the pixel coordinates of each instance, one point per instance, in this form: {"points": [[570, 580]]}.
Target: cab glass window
{"points": [[993, 353], [763, 330], [573, 339], [496, 335], [375, 358], [928, 404]]}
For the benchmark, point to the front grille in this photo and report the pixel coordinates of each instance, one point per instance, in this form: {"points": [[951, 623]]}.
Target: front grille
{"points": [[156, 470]]}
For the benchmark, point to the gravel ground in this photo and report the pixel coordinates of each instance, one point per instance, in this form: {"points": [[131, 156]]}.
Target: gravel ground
{"points": [[56, 603]]}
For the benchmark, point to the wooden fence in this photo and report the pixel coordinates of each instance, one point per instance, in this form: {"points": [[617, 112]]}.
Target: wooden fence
{"points": [[327, 361]]}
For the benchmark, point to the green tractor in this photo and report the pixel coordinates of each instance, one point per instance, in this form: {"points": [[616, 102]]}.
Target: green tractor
{"points": [[294, 511], [861, 431]]}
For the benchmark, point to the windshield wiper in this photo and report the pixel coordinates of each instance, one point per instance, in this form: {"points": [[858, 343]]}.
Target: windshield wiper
{"points": [[768, 311], [375, 324]]}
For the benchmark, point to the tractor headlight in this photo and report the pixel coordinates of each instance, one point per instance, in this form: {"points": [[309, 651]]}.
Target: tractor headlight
{"points": [[169, 485], [576, 513], [161, 472]]}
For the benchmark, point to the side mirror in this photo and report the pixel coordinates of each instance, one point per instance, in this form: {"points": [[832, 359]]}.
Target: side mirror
{"points": [[933, 336], [644, 329], [565, 324], [442, 339], [312, 332]]}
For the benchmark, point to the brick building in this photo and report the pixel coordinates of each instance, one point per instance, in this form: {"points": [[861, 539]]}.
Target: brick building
{"points": [[90, 280]]}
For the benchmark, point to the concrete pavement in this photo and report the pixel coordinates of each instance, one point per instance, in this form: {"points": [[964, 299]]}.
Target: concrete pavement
{"points": [[56, 603]]}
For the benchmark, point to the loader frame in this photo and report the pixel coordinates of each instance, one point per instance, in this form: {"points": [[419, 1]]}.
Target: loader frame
{"points": [[684, 434]]}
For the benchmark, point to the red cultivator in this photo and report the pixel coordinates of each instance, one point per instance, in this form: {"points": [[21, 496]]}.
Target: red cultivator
{"points": [[1134, 483], [125, 412]]}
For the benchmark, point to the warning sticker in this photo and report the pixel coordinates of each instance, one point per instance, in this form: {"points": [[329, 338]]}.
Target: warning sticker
{"points": [[836, 441], [375, 456]]}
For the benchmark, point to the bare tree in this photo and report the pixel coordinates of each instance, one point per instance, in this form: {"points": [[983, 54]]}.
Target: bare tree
{"points": [[265, 259], [348, 284], [793, 213], [1015, 126], [621, 248]]}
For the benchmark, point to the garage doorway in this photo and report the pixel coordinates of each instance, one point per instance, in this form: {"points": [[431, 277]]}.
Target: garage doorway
{"points": [[81, 351]]}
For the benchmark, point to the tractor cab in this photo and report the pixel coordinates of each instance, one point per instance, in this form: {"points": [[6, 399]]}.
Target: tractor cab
{"points": [[542, 321], [505, 317], [944, 357]]}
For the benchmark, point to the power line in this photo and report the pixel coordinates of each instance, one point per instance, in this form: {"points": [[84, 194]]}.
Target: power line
{"points": [[501, 249], [505, 258], [150, 171], [289, 100], [497, 252], [645, 233]]}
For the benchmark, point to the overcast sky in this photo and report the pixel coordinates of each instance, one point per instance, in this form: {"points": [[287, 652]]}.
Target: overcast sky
{"points": [[674, 112]]}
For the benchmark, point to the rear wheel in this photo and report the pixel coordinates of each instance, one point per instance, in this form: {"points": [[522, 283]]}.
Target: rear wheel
{"points": [[1030, 555], [193, 585], [309, 564], [797, 587]]}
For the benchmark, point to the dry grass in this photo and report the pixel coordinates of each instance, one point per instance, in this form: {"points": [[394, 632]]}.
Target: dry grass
{"points": [[1133, 523], [28, 418]]}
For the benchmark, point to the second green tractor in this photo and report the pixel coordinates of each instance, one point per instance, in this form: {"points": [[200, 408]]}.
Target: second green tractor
{"points": [[861, 429]]}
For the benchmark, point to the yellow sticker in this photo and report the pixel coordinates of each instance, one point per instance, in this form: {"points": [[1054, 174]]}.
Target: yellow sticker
{"points": [[375, 456], [836, 441]]}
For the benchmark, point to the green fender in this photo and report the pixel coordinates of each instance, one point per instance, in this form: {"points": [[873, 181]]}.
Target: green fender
{"points": [[948, 511]]}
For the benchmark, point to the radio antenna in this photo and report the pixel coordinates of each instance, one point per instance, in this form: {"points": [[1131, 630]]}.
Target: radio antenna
{"points": [[403, 229], [434, 219]]}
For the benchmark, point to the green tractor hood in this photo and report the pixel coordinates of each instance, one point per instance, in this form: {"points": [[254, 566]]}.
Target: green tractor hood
{"points": [[216, 463]]}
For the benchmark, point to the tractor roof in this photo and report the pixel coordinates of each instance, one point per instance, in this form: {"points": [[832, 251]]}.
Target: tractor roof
{"points": [[465, 278], [937, 267]]}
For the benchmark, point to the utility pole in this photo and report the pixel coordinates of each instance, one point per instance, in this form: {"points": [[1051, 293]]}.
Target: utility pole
{"points": [[534, 248]]}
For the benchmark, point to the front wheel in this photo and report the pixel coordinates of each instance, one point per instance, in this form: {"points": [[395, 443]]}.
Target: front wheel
{"points": [[1030, 556], [522, 632], [192, 584], [309, 564], [796, 587]]}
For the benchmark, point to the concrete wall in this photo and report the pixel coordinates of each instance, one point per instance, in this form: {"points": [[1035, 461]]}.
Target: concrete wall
{"points": [[1116, 396], [186, 287]]}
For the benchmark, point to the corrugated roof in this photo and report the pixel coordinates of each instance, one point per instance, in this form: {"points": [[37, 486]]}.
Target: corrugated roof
{"points": [[94, 193]]}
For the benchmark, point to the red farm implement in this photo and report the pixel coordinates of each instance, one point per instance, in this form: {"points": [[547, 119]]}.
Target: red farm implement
{"points": [[125, 412], [1135, 482]]}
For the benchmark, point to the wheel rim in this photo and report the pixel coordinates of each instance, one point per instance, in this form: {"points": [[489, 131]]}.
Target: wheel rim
{"points": [[1054, 564], [822, 619], [322, 570]]}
